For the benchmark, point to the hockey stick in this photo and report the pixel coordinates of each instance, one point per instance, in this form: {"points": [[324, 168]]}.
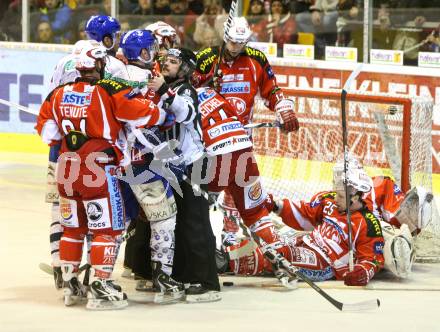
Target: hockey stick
{"points": [[223, 47], [49, 269], [275, 124], [347, 84], [19, 107], [276, 258]]}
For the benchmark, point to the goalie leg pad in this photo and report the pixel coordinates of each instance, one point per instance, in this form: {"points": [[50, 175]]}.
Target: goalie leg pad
{"points": [[398, 250], [162, 243], [156, 199]]}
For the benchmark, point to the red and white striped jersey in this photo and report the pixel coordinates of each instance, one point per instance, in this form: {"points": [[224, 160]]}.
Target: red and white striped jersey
{"points": [[97, 109], [222, 129]]}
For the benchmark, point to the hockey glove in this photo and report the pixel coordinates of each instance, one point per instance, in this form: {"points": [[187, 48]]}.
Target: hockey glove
{"points": [[286, 115], [360, 276], [170, 120], [217, 81]]}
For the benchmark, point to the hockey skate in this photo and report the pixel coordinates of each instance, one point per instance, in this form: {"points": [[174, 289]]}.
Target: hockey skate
{"points": [[74, 292], [104, 295], [197, 293], [167, 290], [285, 278]]}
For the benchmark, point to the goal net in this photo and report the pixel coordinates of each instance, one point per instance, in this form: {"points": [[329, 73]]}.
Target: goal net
{"points": [[389, 134]]}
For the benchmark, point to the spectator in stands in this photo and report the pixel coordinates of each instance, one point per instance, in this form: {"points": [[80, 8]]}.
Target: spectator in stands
{"points": [[11, 23], [348, 10], [143, 8], [256, 12], [321, 21], [183, 20], [207, 31], [44, 33], [81, 33], [196, 6], [59, 16], [162, 7], [279, 26]]}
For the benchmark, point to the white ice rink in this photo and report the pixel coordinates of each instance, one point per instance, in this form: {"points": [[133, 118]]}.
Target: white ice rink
{"points": [[29, 301]]}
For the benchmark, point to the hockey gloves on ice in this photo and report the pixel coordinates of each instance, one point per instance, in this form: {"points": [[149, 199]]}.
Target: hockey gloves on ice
{"points": [[360, 276], [286, 115]]}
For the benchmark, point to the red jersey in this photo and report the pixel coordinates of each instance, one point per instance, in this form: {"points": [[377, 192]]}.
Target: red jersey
{"points": [[329, 236], [242, 79], [222, 129], [385, 198], [97, 110]]}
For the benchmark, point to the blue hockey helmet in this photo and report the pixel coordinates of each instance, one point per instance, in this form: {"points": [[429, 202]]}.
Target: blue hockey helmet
{"points": [[133, 41], [99, 26]]}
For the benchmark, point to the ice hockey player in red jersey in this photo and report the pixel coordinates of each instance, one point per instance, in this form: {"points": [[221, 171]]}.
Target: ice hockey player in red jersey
{"points": [[323, 254], [400, 216], [88, 116], [234, 167], [244, 74]]}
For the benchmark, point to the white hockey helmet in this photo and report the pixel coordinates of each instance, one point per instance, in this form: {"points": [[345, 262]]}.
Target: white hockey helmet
{"points": [[165, 34], [87, 58], [82, 44], [238, 31], [357, 178]]}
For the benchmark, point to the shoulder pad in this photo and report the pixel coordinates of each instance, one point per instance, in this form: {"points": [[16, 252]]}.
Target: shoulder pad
{"points": [[205, 59], [111, 86], [257, 55], [331, 194], [373, 224]]}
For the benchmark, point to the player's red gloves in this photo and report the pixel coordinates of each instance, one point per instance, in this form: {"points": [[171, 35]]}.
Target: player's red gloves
{"points": [[286, 115], [360, 276]]}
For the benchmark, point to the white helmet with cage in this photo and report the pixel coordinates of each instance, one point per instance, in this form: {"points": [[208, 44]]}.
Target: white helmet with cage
{"points": [[83, 44], [165, 34], [87, 58], [238, 31], [357, 178]]}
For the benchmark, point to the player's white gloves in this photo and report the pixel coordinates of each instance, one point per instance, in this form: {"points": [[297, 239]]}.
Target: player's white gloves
{"points": [[286, 115]]}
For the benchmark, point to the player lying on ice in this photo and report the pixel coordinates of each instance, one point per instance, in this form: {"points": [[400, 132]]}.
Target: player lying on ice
{"points": [[88, 116], [378, 200]]}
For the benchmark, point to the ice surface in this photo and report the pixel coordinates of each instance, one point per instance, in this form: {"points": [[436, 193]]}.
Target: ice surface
{"points": [[29, 301]]}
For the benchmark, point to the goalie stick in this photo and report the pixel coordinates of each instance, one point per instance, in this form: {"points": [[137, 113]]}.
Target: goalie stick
{"points": [[347, 85]]}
